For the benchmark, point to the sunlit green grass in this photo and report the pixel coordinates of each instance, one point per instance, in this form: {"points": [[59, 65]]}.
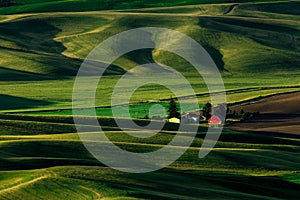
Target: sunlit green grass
{"points": [[42, 156]]}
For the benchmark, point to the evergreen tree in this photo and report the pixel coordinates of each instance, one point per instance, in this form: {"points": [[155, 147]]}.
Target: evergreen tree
{"points": [[173, 110], [207, 110], [242, 112]]}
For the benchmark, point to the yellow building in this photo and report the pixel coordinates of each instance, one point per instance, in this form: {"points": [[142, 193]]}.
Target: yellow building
{"points": [[174, 120]]}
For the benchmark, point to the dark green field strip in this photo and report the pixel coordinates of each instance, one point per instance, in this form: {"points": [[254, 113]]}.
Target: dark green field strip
{"points": [[229, 140], [26, 153], [257, 185], [39, 118], [38, 127], [24, 163], [65, 124], [28, 127]]}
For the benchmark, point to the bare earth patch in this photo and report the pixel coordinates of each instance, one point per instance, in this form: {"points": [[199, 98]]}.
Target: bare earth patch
{"points": [[278, 114]]}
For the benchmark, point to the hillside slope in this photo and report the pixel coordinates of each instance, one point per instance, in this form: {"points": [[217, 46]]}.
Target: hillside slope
{"points": [[56, 44]]}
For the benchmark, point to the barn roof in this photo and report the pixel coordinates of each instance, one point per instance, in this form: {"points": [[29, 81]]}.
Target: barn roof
{"points": [[216, 119]]}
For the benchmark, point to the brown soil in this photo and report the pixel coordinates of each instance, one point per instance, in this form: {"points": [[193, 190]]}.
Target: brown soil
{"points": [[278, 114]]}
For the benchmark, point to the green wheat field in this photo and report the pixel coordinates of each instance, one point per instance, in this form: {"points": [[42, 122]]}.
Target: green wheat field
{"points": [[255, 45]]}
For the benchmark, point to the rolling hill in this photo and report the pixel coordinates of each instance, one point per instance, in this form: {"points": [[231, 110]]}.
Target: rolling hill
{"points": [[255, 45], [46, 49], [50, 43]]}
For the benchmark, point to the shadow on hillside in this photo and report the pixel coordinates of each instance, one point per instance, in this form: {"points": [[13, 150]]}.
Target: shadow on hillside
{"points": [[217, 56], [11, 102], [35, 50], [17, 75], [288, 7], [262, 32]]}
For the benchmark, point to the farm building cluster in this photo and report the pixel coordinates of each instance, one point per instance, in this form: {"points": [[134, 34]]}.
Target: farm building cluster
{"points": [[196, 118]]}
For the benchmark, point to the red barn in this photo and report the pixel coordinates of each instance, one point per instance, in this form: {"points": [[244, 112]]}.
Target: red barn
{"points": [[215, 120]]}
